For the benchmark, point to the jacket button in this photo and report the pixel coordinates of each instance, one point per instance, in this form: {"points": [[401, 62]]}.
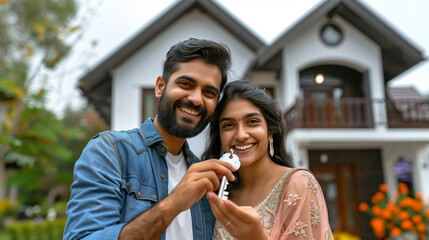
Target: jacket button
{"points": [[139, 194], [162, 175], [163, 150]]}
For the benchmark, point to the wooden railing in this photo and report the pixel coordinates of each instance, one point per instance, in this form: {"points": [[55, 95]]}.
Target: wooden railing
{"points": [[356, 113], [408, 113]]}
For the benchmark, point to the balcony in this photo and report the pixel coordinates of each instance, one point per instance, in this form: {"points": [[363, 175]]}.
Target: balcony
{"points": [[357, 113]]}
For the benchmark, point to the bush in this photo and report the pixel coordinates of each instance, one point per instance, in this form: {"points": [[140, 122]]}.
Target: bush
{"points": [[33, 230]]}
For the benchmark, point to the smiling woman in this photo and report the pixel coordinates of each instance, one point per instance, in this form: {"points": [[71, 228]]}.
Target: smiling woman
{"points": [[271, 199]]}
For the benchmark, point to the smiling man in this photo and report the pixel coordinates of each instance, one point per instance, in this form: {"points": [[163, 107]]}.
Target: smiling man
{"points": [[145, 183]]}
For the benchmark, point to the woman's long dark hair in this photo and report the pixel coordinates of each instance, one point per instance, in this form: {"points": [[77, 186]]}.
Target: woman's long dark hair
{"points": [[242, 89]]}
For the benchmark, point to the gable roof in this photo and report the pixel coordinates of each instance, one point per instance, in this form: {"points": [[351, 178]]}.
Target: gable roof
{"points": [[96, 85], [398, 54]]}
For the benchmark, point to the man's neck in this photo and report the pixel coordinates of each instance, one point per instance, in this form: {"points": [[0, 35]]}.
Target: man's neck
{"points": [[173, 143]]}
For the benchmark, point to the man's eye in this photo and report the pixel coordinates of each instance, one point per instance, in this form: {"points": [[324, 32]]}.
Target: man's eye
{"points": [[211, 93], [184, 84]]}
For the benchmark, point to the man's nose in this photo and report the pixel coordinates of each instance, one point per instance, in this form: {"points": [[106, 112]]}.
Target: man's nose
{"points": [[196, 98]]}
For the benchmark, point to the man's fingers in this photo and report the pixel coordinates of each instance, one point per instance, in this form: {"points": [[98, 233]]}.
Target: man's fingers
{"points": [[219, 167]]}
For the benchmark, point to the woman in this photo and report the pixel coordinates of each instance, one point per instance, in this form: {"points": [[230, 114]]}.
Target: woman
{"points": [[270, 199]]}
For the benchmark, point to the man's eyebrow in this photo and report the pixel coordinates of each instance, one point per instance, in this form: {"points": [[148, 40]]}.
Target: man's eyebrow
{"points": [[191, 79], [245, 116]]}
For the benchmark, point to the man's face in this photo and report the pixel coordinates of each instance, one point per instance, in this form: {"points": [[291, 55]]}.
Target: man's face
{"points": [[189, 99]]}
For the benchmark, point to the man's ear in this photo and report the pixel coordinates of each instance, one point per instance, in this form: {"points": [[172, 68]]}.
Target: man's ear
{"points": [[160, 84]]}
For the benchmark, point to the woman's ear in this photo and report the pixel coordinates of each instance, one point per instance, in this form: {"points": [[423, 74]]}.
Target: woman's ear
{"points": [[159, 87]]}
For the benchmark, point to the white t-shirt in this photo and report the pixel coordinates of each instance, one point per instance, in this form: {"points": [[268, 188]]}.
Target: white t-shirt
{"points": [[181, 226]]}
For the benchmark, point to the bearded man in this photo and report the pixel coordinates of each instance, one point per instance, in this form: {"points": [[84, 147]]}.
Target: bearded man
{"points": [[145, 183]]}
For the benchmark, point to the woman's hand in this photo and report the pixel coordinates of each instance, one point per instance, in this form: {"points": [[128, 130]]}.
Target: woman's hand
{"points": [[242, 222]]}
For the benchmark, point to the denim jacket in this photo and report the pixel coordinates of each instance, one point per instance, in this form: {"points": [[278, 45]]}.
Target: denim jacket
{"points": [[119, 176]]}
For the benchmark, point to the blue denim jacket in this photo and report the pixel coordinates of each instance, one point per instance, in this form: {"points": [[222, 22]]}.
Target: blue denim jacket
{"points": [[119, 176]]}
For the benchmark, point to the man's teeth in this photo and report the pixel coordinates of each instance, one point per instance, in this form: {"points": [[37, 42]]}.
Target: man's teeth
{"points": [[243, 147], [186, 110]]}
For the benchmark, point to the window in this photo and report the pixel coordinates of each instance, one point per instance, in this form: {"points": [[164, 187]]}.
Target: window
{"points": [[331, 34], [149, 103]]}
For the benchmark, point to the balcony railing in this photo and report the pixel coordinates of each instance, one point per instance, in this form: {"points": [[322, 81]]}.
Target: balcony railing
{"points": [[357, 113], [408, 113]]}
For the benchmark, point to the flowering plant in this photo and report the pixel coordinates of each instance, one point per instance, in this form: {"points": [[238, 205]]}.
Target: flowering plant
{"points": [[344, 236], [394, 216]]}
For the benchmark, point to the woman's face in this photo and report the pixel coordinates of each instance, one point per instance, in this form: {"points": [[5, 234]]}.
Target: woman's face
{"points": [[244, 129]]}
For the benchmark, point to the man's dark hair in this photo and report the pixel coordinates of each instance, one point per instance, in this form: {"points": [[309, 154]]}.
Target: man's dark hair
{"points": [[209, 51]]}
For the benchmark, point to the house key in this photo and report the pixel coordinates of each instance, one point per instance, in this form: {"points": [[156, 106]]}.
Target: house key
{"points": [[235, 162]]}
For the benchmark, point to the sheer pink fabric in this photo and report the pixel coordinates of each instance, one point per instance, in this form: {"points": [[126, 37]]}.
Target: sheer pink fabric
{"points": [[302, 212]]}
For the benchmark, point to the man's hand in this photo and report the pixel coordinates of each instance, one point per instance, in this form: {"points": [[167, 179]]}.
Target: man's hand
{"points": [[200, 178]]}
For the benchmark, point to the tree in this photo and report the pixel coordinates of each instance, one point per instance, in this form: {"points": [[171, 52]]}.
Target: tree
{"points": [[35, 35]]}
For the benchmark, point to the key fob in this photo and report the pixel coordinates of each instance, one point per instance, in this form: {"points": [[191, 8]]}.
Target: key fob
{"points": [[232, 159]]}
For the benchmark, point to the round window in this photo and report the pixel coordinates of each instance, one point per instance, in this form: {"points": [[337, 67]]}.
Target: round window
{"points": [[331, 34]]}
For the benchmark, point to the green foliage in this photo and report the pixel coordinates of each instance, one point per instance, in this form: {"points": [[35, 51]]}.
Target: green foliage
{"points": [[45, 230], [36, 26], [34, 35]]}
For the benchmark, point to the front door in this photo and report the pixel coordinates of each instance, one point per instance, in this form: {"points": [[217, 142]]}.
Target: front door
{"points": [[338, 183], [348, 177]]}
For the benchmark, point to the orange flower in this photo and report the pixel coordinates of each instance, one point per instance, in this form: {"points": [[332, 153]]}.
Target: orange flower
{"points": [[377, 197], [396, 232], [403, 215], [403, 188], [421, 227], [419, 195], [386, 214], [406, 225], [383, 187], [427, 213], [363, 207], [376, 210], [417, 218]]}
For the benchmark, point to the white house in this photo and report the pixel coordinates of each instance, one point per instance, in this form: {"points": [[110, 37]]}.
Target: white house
{"points": [[345, 128]]}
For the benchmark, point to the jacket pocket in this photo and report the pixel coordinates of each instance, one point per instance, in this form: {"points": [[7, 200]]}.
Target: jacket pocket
{"points": [[139, 198]]}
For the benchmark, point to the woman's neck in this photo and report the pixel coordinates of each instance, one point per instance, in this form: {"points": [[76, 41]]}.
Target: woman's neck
{"points": [[256, 181]]}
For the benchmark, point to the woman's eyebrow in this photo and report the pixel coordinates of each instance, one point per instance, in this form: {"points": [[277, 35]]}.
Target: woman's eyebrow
{"points": [[245, 116]]}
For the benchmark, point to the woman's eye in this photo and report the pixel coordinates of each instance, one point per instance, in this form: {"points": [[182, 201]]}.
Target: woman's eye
{"points": [[251, 121], [227, 125]]}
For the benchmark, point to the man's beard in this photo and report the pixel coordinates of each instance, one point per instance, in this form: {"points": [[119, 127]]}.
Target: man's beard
{"points": [[167, 117]]}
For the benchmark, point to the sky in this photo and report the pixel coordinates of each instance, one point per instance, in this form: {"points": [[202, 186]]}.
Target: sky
{"points": [[115, 22]]}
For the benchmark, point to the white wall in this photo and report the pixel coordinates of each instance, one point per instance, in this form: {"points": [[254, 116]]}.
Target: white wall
{"points": [[355, 51], [142, 69]]}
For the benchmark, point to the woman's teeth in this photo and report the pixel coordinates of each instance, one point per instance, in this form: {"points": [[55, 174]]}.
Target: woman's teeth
{"points": [[244, 147]]}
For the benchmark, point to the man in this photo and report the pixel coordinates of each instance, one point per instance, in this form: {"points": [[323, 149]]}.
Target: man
{"points": [[145, 183]]}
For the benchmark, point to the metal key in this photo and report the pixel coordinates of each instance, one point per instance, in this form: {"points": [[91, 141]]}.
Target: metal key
{"points": [[235, 162]]}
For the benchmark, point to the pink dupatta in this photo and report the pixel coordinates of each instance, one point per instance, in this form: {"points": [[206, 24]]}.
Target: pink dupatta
{"points": [[302, 212]]}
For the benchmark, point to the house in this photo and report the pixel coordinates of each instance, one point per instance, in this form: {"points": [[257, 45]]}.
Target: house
{"points": [[329, 72]]}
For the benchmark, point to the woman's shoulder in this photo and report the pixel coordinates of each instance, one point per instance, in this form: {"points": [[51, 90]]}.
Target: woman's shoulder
{"points": [[302, 178]]}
